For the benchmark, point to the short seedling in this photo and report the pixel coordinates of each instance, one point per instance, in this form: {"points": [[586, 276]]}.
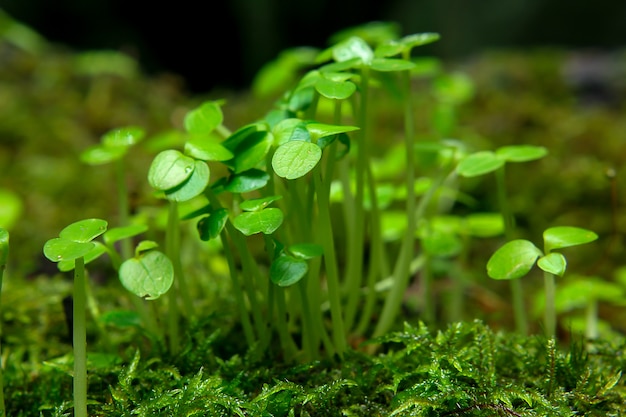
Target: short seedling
{"points": [[73, 244], [516, 258]]}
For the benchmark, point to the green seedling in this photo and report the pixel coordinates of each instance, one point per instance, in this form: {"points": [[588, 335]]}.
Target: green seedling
{"points": [[4, 256], [11, 207], [113, 148], [516, 258], [73, 244], [484, 162]]}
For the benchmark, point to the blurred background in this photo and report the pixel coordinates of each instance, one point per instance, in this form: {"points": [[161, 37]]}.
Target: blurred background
{"points": [[224, 43]]}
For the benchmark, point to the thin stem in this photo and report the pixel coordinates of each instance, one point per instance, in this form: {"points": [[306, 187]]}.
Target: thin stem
{"points": [[173, 230], [550, 312], [123, 206], [330, 262], [591, 316], [2, 267], [517, 291], [80, 340], [354, 272]]}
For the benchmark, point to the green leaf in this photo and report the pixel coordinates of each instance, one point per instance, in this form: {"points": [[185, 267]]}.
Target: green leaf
{"points": [[320, 130], [295, 159], [553, 263], [442, 243], [144, 246], [10, 208], [84, 230], [513, 260], [283, 131], [351, 48], [121, 318], [455, 88], [60, 249], [193, 186], [201, 147], [250, 180], [484, 224], [479, 163], [565, 236], [240, 135], [123, 137], [204, 119], [94, 253], [211, 226], [257, 204], [169, 169], [336, 90], [251, 151], [521, 153], [151, 275], [306, 250], [265, 221], [419, 39], [389, 65], [120, 233], [100, 154], [4, 247], [287, 270]]}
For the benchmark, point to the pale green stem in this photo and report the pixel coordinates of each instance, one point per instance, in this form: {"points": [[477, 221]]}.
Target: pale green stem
{"points": [[2, 405], [591, 313], [550, 312], [330, 262], [517, 291], [80, 340], [354, 271], [173, 230], [123, 206]]}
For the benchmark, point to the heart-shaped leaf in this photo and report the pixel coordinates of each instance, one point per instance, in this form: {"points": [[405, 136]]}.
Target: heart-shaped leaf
{"points": [[479, 163], [204, 119], [123, 137], [60, 249], [84, 230], [295, 159], [287, 270], [119, 233], [169, 169], [553, 263], [566, 236], [521, 153], [513, 260], [151, 275], [193, 186], [265, 221], [94, 253]]}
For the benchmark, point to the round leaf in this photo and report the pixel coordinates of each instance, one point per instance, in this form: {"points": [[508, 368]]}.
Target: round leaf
{"points": [[513, 260], [84, 230], [60, 249], [388, 64], [353, 47], [265, 221], [204, 119], [553, 263], [144, 246], [207, 150], [252, 151], [94, 253], [479, 163], [193, 186], [169, 169], [337, 90], [150, 275], [521, 153], [284, 130], [124, 136], [287, 270], [565, 236], [100, 154], [295, 159], [119, 233], [250, 180]]}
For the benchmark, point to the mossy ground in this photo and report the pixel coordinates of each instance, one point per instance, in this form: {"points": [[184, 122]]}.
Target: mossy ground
{"points": [[51, 108]]}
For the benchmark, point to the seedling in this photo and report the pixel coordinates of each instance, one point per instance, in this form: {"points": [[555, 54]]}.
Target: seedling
{"points": [[73, 244], [516, 258], [484, 162]]}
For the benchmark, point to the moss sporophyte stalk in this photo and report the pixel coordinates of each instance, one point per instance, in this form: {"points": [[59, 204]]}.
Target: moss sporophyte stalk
{"points": [[315, 226]]}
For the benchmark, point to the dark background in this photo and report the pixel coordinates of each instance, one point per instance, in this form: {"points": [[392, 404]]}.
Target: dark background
{"points": [[223, 43]]}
